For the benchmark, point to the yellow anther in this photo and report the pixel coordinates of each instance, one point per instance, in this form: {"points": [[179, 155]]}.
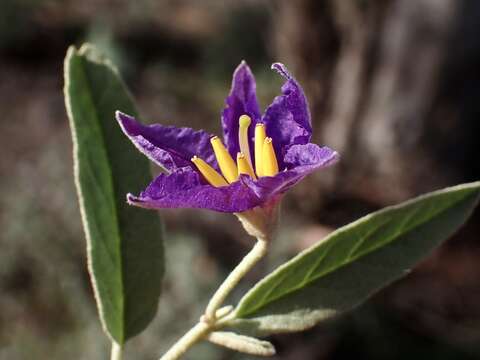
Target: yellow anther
{"points": [[244, 122], [225, 161], [244, 167], [260, 136], [209, 173], [270, 164]]}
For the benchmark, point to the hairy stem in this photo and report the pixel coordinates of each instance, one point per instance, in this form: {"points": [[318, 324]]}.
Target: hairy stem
{"points": [[193, 336], [208, 322], [247, 263], [116, 353]]}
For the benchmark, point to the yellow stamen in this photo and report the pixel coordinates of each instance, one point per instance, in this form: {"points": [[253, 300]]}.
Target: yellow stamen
{"points": [[270, 164], [225, 161], [260, 136], [244, 167], [209, 173], [244, 122]]}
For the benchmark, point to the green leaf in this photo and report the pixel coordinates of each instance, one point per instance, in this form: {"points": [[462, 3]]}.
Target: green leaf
{"points": [[353, 262], [124, 244]]}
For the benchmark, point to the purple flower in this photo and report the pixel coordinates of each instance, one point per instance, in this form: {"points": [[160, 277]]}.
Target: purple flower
{"points": [[272, 152]]}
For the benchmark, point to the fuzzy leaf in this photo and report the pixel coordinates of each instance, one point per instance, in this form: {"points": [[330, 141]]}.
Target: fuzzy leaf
{"points": [[353, 262], [124, 244], [241, 343]]}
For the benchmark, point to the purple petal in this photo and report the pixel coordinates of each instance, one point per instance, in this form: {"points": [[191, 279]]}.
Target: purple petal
{"points": [[184, 189], [168, 146], [241, 100], [300, 161], [309, 155], [288, 118]]}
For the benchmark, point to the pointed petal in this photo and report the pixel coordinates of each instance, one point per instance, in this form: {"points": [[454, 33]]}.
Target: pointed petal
{"points": [[288, 118], [185, 189], [242, 100], [300, 161], [168, 146]]}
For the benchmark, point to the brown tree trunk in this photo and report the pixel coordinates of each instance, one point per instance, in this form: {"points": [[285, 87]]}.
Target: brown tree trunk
{"points": [[371, 71]]}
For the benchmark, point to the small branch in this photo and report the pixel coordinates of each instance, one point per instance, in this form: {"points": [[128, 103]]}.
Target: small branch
{"points": [[247, 263], [208, 322], [116, 353], [193, 336]]}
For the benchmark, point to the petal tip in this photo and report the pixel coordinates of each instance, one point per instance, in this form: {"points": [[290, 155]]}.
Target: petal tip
{"points": [[333, 158], [242, 70], [131, 199], [135, 201], [128, 123], [335, 155], [282, 70], [121, 116], [243, 64]]}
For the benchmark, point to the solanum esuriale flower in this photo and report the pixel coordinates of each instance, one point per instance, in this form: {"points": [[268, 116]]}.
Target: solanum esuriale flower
{"points": [[259, 159]]}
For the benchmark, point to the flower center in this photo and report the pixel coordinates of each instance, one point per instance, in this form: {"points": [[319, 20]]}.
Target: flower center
{"points": [[225, 161], [243, 166], [260, 136], [209, 173], [265, 159], [269, 160], [244, 123]]}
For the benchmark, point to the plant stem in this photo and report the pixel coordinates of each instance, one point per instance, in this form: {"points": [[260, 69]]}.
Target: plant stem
{"points": [[116, 352], [232, 280], [208, 322], [194, 335]]}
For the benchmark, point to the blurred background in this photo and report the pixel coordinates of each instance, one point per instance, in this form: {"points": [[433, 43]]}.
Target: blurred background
{"points": [[393, 85]]}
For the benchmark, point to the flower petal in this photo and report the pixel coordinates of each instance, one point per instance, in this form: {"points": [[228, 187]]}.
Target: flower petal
{"points": [[288, 118], [168, 146], [300, 160], [185, 189], [242, 100], [309, 155]]}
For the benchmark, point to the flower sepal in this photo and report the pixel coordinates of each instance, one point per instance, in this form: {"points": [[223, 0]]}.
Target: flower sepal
{"points": [[261, 221]]}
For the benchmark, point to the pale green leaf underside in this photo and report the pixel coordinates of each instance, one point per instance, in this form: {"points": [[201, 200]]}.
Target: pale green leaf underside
{"points": [[241, 343], [353, 262], [124, 244]]}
